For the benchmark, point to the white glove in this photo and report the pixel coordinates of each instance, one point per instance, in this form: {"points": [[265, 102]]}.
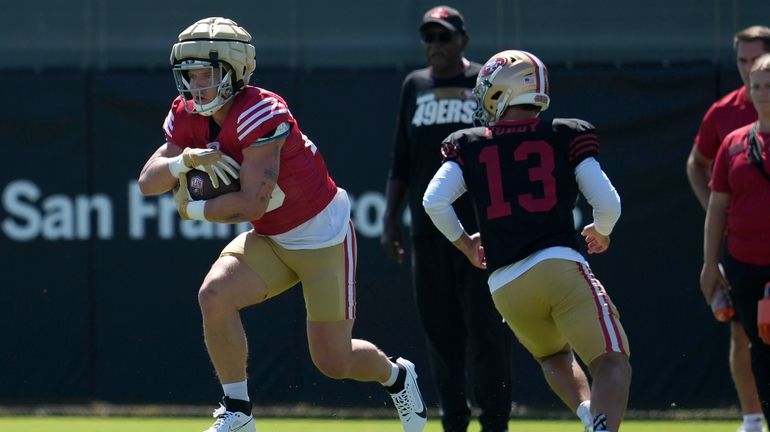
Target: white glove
{"points": [[215, 163]]}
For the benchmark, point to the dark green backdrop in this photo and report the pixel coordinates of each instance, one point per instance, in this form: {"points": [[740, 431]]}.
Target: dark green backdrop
{"points": [[106, 309]]}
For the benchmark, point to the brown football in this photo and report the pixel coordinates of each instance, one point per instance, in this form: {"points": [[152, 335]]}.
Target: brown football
{"points": [[200, 187]]}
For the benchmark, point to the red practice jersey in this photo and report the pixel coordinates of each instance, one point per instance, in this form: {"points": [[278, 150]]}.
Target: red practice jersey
{"points": [[304, 186], [748, 230], [725, 115]]}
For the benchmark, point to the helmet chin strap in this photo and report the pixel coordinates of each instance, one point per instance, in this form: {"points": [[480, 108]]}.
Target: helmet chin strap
{"points": [[503, 104], [210, 108]]}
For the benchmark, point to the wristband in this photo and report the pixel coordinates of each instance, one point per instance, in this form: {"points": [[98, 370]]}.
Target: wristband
{"points": [[177, 166], [195, 210]]}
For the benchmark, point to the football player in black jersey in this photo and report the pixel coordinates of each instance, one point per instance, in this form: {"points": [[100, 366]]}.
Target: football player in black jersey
{"points": [[523, 175], [468, 344]]}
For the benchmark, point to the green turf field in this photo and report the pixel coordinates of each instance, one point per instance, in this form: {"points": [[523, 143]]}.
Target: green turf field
{"points": [[121, 424]]}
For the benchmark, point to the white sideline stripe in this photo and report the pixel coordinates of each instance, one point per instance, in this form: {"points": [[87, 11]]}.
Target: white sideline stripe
{"points": [[606, 314], [264, 119]]}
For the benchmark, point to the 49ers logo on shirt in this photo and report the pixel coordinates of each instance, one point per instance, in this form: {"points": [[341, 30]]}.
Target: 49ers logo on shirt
{"points": [[444, 106]]}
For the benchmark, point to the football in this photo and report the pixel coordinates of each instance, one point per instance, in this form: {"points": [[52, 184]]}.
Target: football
{"points": [[200, 187]]}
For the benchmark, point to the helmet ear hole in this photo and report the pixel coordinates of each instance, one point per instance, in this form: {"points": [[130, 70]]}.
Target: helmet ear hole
{"points": [[496, 96]]}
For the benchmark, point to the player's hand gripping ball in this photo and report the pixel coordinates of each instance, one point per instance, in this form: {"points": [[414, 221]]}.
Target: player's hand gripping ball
{"points": [[200, 187]]}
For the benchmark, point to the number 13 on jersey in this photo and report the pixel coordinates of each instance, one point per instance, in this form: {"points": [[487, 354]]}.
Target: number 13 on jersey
{"points": [[541, 173]]}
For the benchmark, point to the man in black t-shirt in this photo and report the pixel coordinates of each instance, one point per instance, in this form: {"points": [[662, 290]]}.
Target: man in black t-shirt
{"points": [[523, 175], [456, 311]]}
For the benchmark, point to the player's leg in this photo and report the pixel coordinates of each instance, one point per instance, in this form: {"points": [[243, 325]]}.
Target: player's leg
{"points": [[565, 377], [328, 283], [611, 375], [239, 278], [743, 378], [489, 344], [587, 318], [526, 305], [747, 282], [441, 315]]}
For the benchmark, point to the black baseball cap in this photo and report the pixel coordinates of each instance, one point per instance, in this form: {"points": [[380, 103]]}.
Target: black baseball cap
{"points": [[445, 16]]}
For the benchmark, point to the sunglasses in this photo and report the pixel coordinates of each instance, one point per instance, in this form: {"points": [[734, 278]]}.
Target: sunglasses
{"points": [[442, 37]]}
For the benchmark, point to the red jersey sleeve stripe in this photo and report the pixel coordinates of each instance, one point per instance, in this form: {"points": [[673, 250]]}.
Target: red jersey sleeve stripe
{"points": [[581, 148]]}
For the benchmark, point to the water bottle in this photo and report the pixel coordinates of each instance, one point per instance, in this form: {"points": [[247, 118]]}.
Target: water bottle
{"points": [[721, 305]]}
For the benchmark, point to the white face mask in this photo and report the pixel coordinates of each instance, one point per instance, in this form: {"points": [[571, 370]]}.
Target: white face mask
{"points": [[197, 81]]}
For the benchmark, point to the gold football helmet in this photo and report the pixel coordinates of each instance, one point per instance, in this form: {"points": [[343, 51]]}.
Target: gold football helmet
{"points": [[510, 78], [221, 46]]}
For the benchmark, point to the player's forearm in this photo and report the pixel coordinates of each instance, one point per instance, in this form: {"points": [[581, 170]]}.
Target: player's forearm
{"points": [[445, 219], [445, 187], [235, 207], [600, 194], [464, 243], [156, 178]]}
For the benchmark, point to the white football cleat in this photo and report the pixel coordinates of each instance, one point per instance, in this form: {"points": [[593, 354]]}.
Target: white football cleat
{"points": [[743, 429], [409, 403], [232, 421]]}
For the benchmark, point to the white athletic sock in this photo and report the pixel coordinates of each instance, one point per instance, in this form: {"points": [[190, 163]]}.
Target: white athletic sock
{"points": [[237, 390], [584, 413], [753, 422], [393, 375]]}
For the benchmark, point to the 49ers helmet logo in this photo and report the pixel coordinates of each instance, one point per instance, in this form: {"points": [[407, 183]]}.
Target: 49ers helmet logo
{"points": [[491, 66]]}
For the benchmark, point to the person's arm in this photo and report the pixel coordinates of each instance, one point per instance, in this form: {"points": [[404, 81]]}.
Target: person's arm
{"points": [[471, 247], [713, 235], [395, 191], [398, 184], [156, 177], [699, 174], [446, 186], [605, 203], [259, 176], [162, 170]]}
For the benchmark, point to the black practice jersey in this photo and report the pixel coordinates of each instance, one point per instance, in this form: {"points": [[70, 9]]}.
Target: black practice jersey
{"points": [[431, 109], [521, 178]]}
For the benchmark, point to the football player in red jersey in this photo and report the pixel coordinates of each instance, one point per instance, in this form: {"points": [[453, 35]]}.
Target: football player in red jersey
{"points": [[523, 175], [731, 112], [301, 220], [737, 215]]}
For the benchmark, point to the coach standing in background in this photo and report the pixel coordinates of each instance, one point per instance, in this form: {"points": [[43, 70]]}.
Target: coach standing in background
{"points": [[456, 310], [727, 114], [740, 203]]}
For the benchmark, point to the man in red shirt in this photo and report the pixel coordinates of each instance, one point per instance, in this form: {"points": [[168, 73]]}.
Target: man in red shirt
{"points": [[738, 212], [727, 114]]}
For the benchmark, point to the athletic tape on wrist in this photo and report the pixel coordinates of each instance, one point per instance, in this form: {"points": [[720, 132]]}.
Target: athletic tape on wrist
{"points": [[195, 210]]}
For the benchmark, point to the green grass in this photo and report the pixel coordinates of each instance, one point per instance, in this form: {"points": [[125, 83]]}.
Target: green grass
{"points": [[135, 424]]}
